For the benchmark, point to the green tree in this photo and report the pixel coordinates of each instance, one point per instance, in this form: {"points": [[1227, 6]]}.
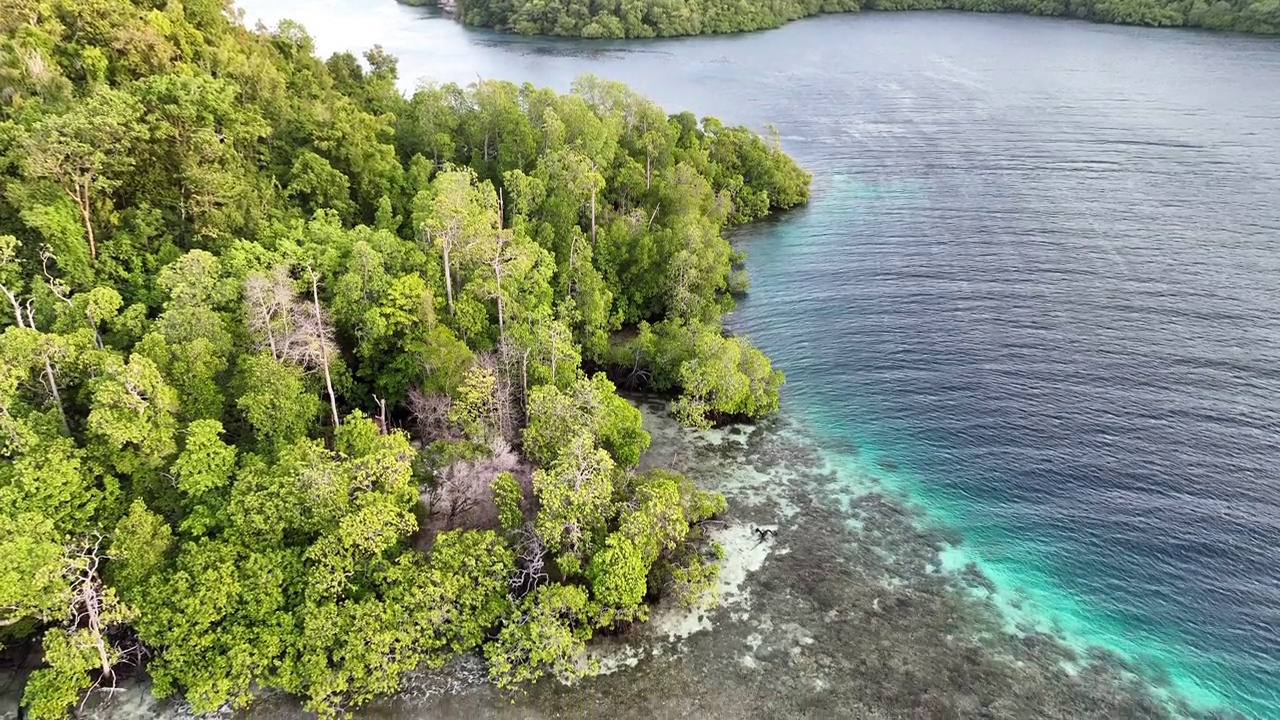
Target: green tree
{"points": [[274, 400], [31, 581], [86, 151], [139, 545], [315, 184], [133, 415], [592, 407], [726, 377], [617, 574], [544, 634], [509, 498], [658, 521], [454, 216], [575, 495]]}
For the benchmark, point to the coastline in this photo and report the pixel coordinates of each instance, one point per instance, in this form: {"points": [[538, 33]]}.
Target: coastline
{"points": [[851, 610], [1067, 12], [1026, 597], [880, 562]]}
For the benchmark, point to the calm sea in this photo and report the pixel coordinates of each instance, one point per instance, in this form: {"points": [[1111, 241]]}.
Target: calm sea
{"points": [[1038, 285]]}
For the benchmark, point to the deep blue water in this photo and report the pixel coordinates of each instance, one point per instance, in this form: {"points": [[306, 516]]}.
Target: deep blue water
{"points": [[1049, 291], [1040, 272]]}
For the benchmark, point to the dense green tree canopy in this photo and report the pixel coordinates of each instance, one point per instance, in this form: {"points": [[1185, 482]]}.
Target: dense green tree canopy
{"points": [[305, 384], [667, 18]]}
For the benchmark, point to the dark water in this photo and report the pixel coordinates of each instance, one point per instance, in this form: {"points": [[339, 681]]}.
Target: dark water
{"points": [[1038, 287]]}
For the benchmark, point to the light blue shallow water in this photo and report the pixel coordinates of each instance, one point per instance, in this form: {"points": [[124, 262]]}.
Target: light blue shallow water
{"points": [[1040, 273]]}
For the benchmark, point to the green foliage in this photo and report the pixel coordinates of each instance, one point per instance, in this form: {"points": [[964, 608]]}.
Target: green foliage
{"points": [[206, 463], [695, 582], [663, 18], [509, 498], [317, 185], [574, 495], [138, 547], [31, 579], [473, 407], [86, 150], [547, 351], [195, 368], [51, 481], [208, 235], [720, 377], [310, 542], [132, 416], [467, 580], [360, 648], [726, 377], [617, 574], [220, 612], [591, 407], [658, 522], [274, 400], [544, 634], [53, 690], [702, 505]]}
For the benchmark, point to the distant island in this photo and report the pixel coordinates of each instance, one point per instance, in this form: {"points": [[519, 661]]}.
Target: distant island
{"points": [[671, 18]]}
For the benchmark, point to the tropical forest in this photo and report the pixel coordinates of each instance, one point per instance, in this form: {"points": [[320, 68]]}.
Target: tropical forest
{"points": [[668, 18], [306, 383]]}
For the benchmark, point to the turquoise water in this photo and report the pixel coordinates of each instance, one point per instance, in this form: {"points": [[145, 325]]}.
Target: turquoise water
{"points": [[1038, 274], [859, 382], [1028, 593]]}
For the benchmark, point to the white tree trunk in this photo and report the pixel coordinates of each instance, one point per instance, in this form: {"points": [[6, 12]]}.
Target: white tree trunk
{"points": [[324, 347], [448, 275], [53, 392]]}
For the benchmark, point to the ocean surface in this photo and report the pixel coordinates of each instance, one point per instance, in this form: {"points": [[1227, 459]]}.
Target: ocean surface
{"points": [[1037, 292]]}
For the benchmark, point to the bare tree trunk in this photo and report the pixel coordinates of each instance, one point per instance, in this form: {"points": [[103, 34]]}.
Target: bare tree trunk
{"points": [[262, 301], [593, 217], [13, 300], [497, 277], [61, 292], [524, 380], [51, 382], [448, 275], [53, 392], [95, 627], [502, 327], [97, 336], [573, 246], [81, 197], [89, 602], [654, 216], [382, 414], [324, 350], [497, 280]]}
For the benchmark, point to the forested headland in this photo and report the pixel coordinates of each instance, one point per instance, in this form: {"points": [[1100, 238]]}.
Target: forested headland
{"points": [[669, 18], [305, 384]]}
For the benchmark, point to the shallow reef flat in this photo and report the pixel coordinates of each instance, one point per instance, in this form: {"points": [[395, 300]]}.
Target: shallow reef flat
{"points": [[850, 609]]}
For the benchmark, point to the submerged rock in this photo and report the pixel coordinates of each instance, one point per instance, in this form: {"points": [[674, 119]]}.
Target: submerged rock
{"points": [[855, 608]]}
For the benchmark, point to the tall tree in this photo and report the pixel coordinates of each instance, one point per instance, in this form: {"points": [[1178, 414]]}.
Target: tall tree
{"points": [[456, 216], [86, 150]]}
